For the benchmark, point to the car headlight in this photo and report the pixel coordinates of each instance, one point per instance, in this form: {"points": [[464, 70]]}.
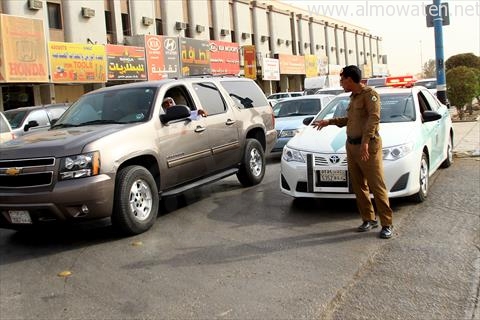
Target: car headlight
{"points": [[397, 152], [80, 166], [292, 155], [288, 133]]}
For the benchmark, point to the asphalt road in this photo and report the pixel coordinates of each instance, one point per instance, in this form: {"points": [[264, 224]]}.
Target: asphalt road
{"points": [[225, 252]]}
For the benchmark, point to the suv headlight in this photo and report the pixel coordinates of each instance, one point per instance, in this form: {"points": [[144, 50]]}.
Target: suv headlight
{"points": [[292, 155], [80, 166], [397, 152]]}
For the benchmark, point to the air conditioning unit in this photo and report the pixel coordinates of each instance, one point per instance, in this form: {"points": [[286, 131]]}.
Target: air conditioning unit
{"points": [[199, 28], [147, 21], [224, 32], [263, 38], [245, 35], [180, 25], [287, 42], [88, 12], [306, 45], [35, 4], [317, 46], [280, 41]]}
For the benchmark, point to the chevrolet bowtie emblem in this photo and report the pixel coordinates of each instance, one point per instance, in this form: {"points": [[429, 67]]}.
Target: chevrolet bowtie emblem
{"points": [[12, 171]]}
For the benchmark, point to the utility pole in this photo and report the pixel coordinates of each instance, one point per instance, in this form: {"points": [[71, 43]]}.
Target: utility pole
{"points": [[439, 57]]}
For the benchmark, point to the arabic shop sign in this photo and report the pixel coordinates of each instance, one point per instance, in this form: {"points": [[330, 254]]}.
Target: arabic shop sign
{"points": [[23, 55], [224, 57], [162, 57], [77, 62], [249, 62], [290, 64], [126, 63], [195, 55]]}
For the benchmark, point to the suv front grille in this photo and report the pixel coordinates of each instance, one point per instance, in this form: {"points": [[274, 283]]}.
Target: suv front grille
{"points": [[25, 173]]}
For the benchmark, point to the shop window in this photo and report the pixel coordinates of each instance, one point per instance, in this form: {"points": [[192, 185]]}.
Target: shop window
{"points": [[54, 15]]}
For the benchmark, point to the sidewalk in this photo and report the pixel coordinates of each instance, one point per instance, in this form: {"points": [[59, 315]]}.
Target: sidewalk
{"points": [[466, 139]]}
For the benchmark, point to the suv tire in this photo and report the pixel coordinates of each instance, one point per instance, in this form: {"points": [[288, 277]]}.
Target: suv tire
{"points": [[252, 168], [136, 200]]}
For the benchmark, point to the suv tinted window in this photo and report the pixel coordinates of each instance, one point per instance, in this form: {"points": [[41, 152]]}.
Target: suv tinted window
{"points": [[210, 97], [245, 94]]}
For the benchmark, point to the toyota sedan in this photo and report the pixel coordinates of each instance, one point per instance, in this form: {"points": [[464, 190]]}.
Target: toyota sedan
{"points": [[417, 137]]}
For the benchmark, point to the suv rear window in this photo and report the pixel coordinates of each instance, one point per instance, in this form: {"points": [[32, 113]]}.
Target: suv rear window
{"points": [[245, 94]]}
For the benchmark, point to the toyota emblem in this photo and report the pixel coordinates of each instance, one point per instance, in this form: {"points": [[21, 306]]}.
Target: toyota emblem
{"points": [[334, 159]]}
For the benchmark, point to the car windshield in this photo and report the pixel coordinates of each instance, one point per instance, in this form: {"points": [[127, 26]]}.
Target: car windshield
{"points": [[113, 106], [15, 117], [395, 107], [429, 84], [376, 82], [300, 107]]}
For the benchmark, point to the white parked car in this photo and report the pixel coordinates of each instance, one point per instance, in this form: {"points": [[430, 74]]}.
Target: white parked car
{"points": [[6, 133], [417, 135], [283, 95]]}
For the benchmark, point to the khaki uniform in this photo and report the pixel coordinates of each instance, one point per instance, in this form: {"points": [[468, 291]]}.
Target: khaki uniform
{"points": [[362, 121]]}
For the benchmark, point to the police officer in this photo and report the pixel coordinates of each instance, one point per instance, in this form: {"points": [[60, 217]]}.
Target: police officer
{"points": [[364, 150]]}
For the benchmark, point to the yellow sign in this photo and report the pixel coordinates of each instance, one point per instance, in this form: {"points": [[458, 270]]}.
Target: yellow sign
{"points": [[23, 56], [77, 62], [311, 66]]}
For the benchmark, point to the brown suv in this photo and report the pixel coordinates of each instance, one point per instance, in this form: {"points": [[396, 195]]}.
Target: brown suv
{"points": [[116, 152]]}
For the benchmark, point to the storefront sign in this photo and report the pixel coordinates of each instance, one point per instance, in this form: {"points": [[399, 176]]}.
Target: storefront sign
{"points": [[224, 57], [311, 66], [162, 57], [23, 56], [290, 64], [195, 57], [249, 62], [270, 69], [77, 62], [126, 63]]}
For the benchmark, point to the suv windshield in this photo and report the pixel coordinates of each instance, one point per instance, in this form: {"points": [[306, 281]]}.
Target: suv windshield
{"points": [[112, 106], [395, 107]]}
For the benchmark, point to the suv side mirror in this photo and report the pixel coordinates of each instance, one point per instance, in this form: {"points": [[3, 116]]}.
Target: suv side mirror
{"points": [[30, 124], [177, 112]]}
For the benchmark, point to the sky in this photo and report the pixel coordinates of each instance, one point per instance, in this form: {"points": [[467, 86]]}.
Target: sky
{"points": [[406, 40]]}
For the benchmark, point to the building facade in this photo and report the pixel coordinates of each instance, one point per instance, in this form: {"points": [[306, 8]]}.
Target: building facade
{"points": [[273, 29]]}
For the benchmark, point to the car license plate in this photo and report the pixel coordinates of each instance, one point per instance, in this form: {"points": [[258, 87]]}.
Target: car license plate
{"points": [[20, 216], [333, 175]]}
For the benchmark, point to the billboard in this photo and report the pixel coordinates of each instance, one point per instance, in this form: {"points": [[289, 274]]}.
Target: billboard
{"points": [[77, 62], [23, 55], [195, 56], [270, 69], [224, 57], [162, 57], [249, 62], [126, 63], [290, 64]]}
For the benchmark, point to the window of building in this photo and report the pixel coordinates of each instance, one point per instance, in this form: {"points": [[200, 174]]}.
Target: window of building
{"points": [[54, 15], [159, 26], [126, 25], [108, 22]]}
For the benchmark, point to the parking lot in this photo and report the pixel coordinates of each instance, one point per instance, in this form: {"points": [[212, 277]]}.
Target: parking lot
{"points": [[228, 252]]}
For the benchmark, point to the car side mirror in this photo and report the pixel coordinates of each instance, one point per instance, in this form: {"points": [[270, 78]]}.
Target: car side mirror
{"points": [[177, 112], [30, 124], [307, 120], [53, 121], [429, 115]]}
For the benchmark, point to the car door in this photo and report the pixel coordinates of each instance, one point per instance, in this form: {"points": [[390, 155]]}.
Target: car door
{"points": [[431, 129], [221, 124], [184, 145], [441, 126]]}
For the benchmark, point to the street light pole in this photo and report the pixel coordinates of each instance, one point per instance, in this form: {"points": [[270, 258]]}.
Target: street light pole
{"points": [[440, 66]]}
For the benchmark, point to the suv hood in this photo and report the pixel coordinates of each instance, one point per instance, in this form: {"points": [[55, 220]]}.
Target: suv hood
{"points": [[57, 143]]}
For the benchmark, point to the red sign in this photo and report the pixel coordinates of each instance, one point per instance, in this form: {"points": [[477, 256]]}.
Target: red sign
{"points": [[224, 57], [162, 57], [249, 63]]}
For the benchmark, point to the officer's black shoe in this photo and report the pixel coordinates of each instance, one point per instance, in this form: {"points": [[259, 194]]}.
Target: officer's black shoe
{"points": [[367, 225], [386, 232]]}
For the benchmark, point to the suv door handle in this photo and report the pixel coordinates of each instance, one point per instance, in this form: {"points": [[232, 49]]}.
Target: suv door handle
{"points": [[230, 122], [199, 129]]}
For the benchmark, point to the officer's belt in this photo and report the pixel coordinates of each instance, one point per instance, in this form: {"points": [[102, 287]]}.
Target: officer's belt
{"points": [[357, 140]]}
